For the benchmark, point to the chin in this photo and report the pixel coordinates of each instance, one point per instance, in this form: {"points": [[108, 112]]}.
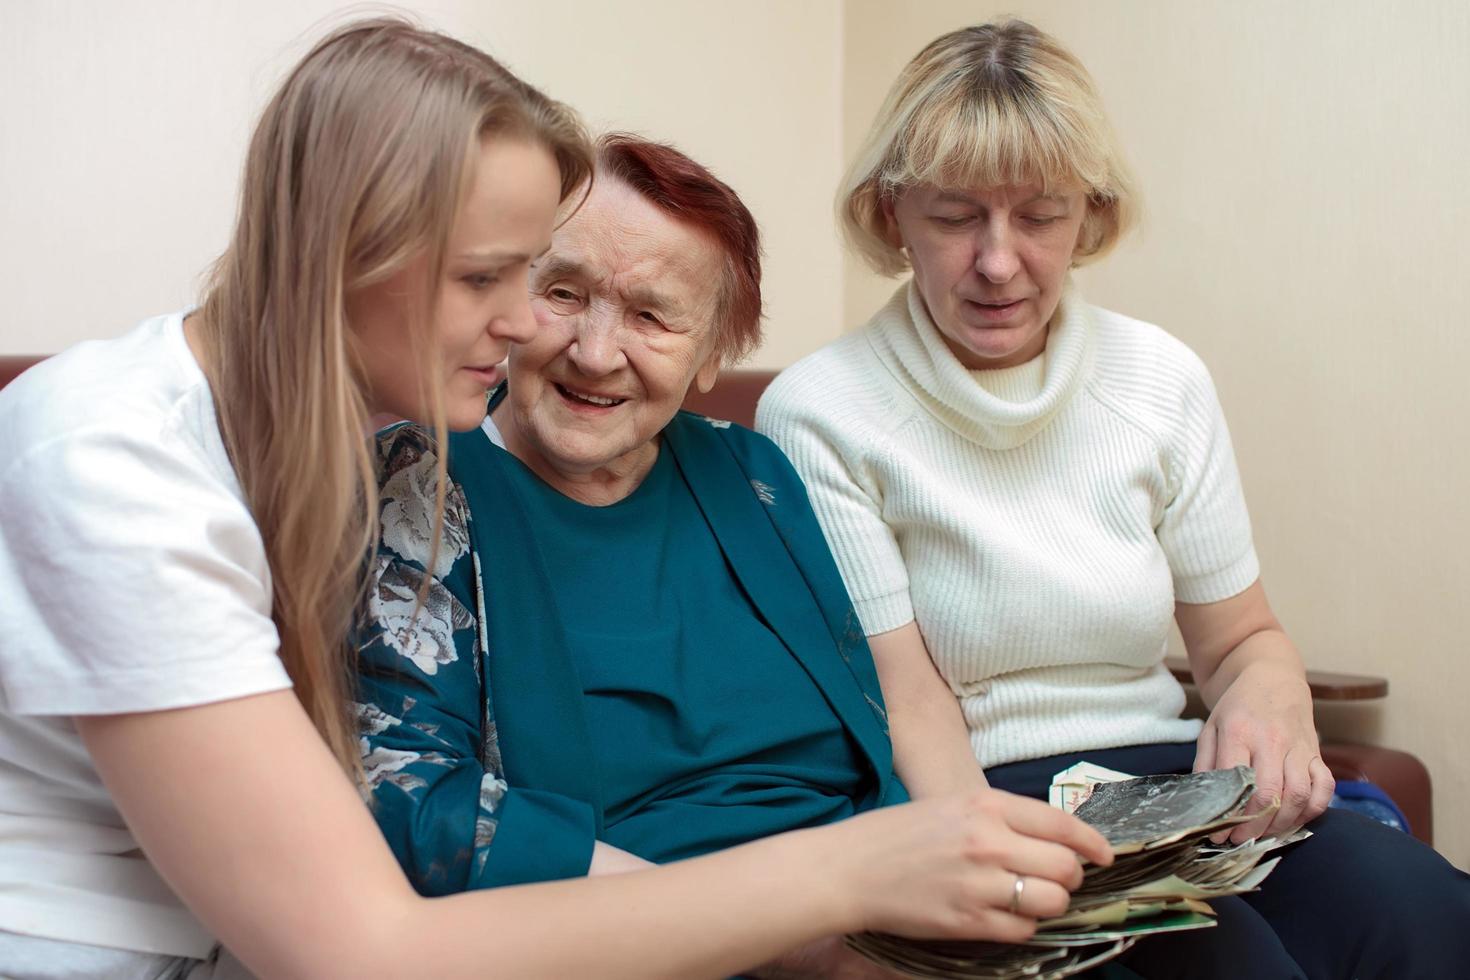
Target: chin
{"points": [[463, 419]]}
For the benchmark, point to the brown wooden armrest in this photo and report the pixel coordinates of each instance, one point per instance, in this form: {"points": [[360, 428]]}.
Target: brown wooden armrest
{"points": [[1326, 686]]}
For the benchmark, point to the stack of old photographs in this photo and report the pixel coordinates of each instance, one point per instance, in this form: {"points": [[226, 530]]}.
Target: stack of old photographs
{"points": [[1164, 872]]}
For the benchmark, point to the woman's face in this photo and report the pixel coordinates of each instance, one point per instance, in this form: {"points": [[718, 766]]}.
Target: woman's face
{"points": [[626, 303], [503, 224], [989, 263]]}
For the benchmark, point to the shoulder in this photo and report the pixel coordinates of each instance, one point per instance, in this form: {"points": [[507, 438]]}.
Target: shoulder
{"points": [[843, 392], [1135, 352], [138, 383], [126, 429], [764, 463], [746, 445], [130, 417], [1143, 371]]}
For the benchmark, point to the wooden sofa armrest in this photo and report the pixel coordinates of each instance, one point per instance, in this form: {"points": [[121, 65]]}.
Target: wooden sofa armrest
{"points": [[1325, 685]]}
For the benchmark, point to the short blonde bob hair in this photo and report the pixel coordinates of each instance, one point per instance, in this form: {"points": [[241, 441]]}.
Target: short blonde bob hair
{"points": [[988, 106]]}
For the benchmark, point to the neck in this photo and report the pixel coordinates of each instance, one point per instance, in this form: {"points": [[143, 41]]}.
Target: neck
{"points": [[596, 486]]}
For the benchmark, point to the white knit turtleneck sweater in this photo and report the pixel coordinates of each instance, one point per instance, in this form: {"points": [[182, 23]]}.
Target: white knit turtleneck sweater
{"points": [[1039, 537]]}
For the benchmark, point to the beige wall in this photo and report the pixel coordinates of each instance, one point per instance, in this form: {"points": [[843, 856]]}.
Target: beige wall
{"points": [[1304, 172], [1303, 166], [124, 125]]}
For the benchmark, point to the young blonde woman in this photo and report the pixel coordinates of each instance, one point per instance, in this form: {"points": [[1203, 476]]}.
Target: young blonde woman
{"points": [[185, 528]]}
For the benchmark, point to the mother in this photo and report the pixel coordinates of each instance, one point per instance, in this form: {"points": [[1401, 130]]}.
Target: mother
{"points": [[637, 646], [1022, 490]]}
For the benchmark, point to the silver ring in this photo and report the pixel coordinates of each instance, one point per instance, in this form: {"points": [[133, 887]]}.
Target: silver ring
{"points": [[1016, 891]]}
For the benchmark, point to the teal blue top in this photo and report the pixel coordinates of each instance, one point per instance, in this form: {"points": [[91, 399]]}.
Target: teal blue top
{"points": [[551, 675], [706, 732]]}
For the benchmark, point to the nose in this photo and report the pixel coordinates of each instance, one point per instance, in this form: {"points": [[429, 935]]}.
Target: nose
{"points": [[597, 347], [515, 324], [995, 254]]}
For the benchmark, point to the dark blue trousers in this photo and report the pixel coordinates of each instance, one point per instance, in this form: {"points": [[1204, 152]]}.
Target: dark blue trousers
{"points": [[1356, 900]]}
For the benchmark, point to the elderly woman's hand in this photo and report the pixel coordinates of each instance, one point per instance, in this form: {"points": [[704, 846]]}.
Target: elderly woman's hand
{"points": [[1261, 710]]}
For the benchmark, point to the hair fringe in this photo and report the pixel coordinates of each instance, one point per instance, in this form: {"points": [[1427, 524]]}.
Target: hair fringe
{"points": [[987, 106]]}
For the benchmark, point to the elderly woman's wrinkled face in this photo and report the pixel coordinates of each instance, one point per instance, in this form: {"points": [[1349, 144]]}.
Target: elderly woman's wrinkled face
{"points": [[626, 302], [990, 264]]}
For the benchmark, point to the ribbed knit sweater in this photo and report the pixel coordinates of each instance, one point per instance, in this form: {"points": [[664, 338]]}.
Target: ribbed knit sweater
{"points": [[1039, 537]]}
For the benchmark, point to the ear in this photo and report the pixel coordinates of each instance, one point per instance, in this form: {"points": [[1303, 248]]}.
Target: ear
{"points": [[1090, 232], [708, 373], [891, 233]]}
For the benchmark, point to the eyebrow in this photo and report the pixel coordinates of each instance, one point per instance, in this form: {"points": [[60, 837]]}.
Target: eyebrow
{"points": [[959, 197], [559, 267], [501, 258]]}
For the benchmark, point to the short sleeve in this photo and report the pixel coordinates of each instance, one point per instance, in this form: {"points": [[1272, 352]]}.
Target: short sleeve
{"points": [[826, 447], [134, 579], [1205, 530]]}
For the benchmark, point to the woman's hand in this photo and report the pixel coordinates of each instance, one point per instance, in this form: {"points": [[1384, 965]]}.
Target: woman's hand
{"points": [[948, 867], [1260, 710], [1264, 720]]}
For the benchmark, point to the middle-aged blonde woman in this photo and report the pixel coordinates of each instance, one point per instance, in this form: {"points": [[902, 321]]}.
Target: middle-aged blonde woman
{"points": [[1022, 490], [188, 511]]}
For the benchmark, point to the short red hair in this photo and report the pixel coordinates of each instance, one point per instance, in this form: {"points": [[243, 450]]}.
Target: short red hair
{"points": [[688, 191]]}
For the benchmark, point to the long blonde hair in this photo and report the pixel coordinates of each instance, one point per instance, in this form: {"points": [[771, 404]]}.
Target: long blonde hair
{"points": [[357, 166], [985, 106]]}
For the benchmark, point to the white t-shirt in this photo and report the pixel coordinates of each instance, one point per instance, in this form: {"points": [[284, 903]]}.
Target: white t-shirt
{"points": [[134, 579]]}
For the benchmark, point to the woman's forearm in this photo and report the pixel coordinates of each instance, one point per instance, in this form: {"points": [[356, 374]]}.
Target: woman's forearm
{"points": [[1251, 678], [709, 917], [932, 753], [1224, 639], [244, 812], [1268, 648]]}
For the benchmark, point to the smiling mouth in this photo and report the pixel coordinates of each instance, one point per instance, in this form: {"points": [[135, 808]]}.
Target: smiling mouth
{"points": [[587, 398]]}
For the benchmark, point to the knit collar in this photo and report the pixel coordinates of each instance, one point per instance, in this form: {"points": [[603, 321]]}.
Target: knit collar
{"points": [[907, 341]]}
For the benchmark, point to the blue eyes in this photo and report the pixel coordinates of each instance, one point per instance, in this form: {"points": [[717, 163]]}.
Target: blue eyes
{"points": [[480, 280]]}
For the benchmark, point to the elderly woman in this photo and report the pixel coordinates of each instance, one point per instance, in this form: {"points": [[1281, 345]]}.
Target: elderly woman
{"points": [[633, 644], [1021, 490]]}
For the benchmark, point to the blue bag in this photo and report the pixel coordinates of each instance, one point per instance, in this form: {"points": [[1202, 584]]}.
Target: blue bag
{"points": [[1370, 800]]}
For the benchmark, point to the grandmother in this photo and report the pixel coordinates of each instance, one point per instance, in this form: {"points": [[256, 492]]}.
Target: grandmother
{"points": [[1021, 491], [634, 645]]}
